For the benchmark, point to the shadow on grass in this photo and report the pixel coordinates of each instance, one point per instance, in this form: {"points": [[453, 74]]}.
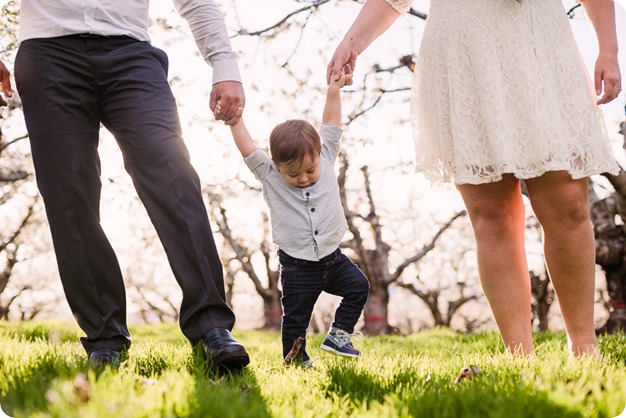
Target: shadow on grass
{"points": [[467, 401], [224, 394], [25, 392], [211, 393], [436, 396]]}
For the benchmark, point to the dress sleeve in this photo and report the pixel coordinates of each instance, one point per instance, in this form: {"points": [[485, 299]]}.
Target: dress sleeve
{"points": [[401, 6]]}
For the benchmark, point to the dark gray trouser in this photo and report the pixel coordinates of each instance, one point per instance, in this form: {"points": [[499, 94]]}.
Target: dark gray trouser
{"points": [[68, 86]]}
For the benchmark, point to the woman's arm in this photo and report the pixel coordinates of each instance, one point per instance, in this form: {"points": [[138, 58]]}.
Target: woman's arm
{"points": [[607, 77], [375, 17]]}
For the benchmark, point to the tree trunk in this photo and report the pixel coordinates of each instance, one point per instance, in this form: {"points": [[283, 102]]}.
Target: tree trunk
{"points": [[616, 283], [610, 249], [543, 296], [273, 313], [376, 313], [611, 245]]}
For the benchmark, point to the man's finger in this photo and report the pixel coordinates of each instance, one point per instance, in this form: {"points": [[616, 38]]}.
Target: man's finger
{"points": [[213, 99], [229, 110]]}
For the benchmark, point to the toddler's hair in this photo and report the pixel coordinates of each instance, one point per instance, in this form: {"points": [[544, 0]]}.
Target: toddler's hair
{"points": [[293, 141]]}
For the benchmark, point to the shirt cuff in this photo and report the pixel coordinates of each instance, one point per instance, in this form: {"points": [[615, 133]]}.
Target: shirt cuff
{"points": [[227, 70]]}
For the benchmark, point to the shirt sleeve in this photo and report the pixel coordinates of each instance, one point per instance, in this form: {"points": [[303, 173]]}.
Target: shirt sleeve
{"points": [[207, 25], [401, 6], [330, 135], [259, 163]]}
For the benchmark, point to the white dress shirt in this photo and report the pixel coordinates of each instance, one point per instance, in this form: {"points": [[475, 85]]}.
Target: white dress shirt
{"points": [[53, 18]]}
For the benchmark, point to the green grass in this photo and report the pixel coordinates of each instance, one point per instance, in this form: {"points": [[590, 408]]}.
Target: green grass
{"points": [[43, 374]]}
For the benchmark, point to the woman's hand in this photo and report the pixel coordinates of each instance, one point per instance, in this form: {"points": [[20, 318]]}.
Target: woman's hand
{"points": [[345, 55], [607, 77]]}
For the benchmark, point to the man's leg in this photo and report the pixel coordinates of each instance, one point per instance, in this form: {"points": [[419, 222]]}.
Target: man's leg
{"points": [[54, 81], [137, 106]]}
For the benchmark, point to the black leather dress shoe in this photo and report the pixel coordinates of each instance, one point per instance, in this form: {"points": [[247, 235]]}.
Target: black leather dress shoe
{"points": [[222, 350], [104, 357]]}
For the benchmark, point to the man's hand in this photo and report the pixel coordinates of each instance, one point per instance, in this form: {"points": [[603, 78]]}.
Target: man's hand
{"points": [[227, 101], [5, 84]]}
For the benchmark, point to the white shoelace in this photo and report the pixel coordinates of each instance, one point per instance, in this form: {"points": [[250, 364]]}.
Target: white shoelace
{"points": [[345, 337]]}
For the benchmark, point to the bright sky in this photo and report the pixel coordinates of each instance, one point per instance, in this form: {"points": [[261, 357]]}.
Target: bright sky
{"points": [[258, 63], [253, 14], [391, 141]]}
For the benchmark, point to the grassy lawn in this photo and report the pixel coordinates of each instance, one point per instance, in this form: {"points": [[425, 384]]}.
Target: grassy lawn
{"points": [[43, 374]]}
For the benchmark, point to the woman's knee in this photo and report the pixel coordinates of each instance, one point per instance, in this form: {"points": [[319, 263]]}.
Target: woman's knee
{"points": [[494, 208], [494, 222], [567, 209], [557, 199]]}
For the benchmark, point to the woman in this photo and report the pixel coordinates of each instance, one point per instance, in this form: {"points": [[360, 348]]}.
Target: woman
{"points": [[500, 94]]}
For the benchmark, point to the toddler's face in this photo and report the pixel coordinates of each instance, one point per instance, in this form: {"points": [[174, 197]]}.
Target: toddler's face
{"points": [[301, 174]]}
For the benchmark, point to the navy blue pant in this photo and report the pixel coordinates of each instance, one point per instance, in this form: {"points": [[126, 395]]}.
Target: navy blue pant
{"points": [[69, 86], [303, 281]]}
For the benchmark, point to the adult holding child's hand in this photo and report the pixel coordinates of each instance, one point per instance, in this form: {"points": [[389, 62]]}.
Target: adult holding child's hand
{"points": [[374, 19], [231, 99], [500, 94]]}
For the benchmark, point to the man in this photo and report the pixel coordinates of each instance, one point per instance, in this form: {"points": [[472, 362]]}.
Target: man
{"points": [[81, 63]]}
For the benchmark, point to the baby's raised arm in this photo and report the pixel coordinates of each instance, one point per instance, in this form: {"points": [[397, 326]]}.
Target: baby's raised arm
{"points": [[240, 133], [332, 108], [242, 138]]}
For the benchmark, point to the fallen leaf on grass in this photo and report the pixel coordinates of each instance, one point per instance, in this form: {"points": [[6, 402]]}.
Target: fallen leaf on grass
{"points": [[467, 372], [293, 353]]}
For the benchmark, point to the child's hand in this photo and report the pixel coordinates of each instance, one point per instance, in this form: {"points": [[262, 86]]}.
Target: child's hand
{"points": [[345, 77], [218, 108]]}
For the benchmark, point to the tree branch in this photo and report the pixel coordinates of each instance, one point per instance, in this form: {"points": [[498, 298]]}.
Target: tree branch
{"points": [[4, 146], [19, 229], [242, 253], [425, 249], [310, 8]]}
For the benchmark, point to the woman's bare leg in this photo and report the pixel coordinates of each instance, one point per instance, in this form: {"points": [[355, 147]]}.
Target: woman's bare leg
{"points": [[496, 211], [561, 206]]}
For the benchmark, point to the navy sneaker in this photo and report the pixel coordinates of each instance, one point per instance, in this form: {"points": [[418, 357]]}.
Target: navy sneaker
{"points": [[340, 343]]}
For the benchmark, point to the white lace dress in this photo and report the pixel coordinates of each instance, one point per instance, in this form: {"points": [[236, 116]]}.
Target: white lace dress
{"points": [[500, 87]]}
